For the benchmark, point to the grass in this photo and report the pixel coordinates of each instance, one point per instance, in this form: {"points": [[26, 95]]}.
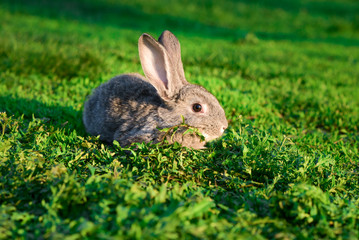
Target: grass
{"points": [[286, 73]]}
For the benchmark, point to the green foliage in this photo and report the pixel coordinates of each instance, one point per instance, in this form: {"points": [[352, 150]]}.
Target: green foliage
{"points": [[182, 129], [286, 73]]}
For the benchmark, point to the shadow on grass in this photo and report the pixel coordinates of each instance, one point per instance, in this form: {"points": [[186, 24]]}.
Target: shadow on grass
{"points": [[128, 17], [118, 15], [321, 8], [57, 116]]}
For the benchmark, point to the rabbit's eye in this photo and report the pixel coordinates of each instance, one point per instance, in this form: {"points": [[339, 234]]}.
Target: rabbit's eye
{"points": [[197, 107]]}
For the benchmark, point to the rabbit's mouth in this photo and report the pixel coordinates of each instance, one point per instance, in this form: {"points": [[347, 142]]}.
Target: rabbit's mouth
{"points": [[208, 137]]}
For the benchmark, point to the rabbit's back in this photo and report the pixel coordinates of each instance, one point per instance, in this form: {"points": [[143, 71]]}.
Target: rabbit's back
{"points": [[123, 104]]}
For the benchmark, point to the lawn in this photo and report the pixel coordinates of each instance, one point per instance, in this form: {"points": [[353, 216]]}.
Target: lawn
{"points": [[286, 73]]}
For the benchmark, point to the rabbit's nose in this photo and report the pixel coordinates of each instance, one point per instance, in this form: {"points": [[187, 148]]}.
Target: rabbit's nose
{"points": [[223, 128]]}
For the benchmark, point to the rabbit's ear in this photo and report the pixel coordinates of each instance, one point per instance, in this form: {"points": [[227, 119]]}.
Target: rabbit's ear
{"points": [[158, 67], [173, 47]]}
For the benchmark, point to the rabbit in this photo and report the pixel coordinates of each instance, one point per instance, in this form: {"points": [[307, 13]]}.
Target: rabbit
{"points": [[131, 108]]}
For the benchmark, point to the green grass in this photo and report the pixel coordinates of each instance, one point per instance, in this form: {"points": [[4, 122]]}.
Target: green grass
{"points": [[286, 73]]}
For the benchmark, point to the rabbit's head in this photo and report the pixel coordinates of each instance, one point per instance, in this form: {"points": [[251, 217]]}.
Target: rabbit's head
{"points": [[162, 65]]}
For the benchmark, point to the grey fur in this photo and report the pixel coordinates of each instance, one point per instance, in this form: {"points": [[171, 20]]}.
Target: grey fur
{"points": [[129, 108]]}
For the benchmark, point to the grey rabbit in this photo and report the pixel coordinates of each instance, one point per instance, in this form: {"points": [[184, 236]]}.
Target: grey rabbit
{"points": [[130, 108]]}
